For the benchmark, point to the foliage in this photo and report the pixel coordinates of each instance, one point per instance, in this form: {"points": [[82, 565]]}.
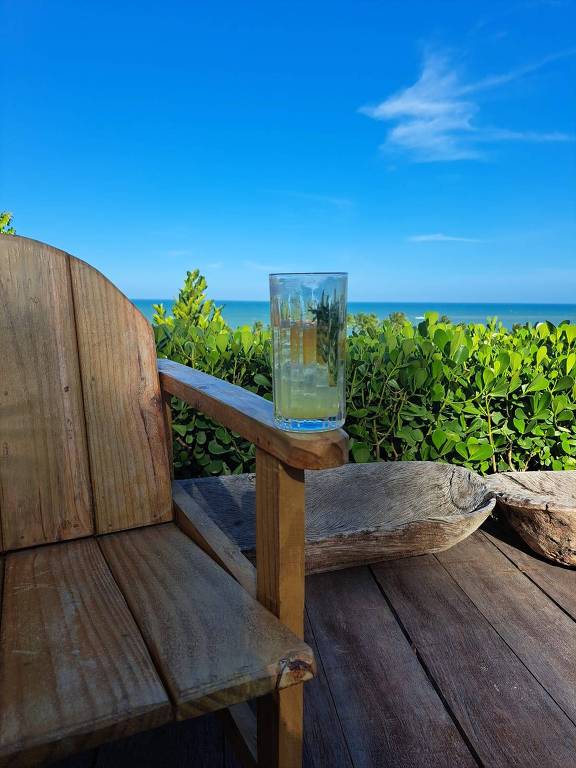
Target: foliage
{"points": [[197, 335], [476, 395], [6, 227]]}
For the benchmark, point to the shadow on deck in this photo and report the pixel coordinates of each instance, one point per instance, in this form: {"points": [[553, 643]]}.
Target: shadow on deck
{"points": [[464, 658]]}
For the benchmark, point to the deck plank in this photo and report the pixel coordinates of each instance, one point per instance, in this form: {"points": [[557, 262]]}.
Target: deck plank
{"points": [[557, 581], [506, 715], [521, 613], [75, 670], [390, 713], [324, 742]]}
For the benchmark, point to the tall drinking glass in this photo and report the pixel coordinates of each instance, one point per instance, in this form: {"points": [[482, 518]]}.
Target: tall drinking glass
{"points": [[308, 319]]}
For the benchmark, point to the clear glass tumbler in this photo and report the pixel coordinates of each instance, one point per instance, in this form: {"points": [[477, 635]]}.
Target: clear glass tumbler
{"points": [[308, 319]]}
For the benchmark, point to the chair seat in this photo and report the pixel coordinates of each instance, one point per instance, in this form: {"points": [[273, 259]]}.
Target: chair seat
{"points": [[104, 637]]}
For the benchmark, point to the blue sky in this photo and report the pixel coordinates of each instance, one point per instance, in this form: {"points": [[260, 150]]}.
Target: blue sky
{"points": [[426, 147]]}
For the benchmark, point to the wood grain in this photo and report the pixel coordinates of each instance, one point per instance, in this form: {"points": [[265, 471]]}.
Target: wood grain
{"points": [[167, 400], [280, 540], [44, 479], [252, 417], [390, 713], [360, 513], [558, 582], [124, 407], [75, 671], [280, 587], [521, 613], [541, 507], [214, 644], [508, 718], [196, 524], [324, 741]]}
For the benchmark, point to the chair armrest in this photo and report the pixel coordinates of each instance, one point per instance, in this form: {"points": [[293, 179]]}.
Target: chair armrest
{"points": [[252, 417]]}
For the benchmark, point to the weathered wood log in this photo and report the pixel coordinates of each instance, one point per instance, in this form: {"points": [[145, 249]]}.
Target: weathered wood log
{"points": [[541, 507], [361, 513]]}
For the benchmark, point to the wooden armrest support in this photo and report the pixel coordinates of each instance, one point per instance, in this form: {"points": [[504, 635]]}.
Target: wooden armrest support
{"points": [[252, 417], [196, 524], [241, 729]]}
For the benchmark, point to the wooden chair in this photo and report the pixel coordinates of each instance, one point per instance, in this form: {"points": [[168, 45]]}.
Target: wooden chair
{"points": [[122, 607]]}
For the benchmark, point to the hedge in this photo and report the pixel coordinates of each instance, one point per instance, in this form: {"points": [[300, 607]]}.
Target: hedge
{"points": [[477, 395]]}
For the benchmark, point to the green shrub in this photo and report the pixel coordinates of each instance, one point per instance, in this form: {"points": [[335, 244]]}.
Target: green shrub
{"points": [[196, 334], [476, 395]]}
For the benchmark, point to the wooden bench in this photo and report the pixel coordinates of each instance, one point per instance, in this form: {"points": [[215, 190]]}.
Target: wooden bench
{"points": [[119, 612]]}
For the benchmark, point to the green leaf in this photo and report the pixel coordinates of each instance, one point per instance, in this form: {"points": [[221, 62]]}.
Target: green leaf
{"points": [[462, 450], [487, 376], [542, 330], [565, 382], [538, 383], [461, 354], [520, 425], [480, 452], [222, 341], [503, 361], [437, 393], [361, 453], [246, 339], [419, 377], [540, 355], [215, 447], [438, 438], [223, 436], [263, 381], [441, 338]]}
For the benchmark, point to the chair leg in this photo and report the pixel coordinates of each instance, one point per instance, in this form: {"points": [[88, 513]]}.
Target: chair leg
{"points": [[280, 725], [280, 587]]}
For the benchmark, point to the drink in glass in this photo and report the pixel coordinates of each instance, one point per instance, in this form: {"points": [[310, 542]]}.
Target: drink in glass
{"points": [[308, 320]]}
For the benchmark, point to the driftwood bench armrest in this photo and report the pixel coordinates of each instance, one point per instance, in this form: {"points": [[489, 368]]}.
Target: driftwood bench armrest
{"points": [[252, 417]]}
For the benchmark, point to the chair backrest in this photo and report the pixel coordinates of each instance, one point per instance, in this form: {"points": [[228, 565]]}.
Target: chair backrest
{"points": [[83, 439]]}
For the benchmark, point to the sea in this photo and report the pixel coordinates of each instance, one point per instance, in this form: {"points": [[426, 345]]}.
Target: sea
{"points": [[238, 313]]}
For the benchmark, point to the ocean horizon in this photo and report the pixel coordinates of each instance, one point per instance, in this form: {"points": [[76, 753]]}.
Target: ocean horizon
{"points": [[238, 313]]}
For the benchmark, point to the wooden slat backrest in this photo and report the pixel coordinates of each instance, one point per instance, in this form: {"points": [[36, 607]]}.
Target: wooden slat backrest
{"points": [[44, 478], [82, 436], [123, 404]]}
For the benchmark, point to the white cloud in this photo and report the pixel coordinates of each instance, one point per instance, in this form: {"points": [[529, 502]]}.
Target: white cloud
{"points": [[436, 119], [441, 238]]}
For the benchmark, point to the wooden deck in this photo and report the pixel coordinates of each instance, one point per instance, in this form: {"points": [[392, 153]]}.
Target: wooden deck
{"points": [[466, 658]]}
